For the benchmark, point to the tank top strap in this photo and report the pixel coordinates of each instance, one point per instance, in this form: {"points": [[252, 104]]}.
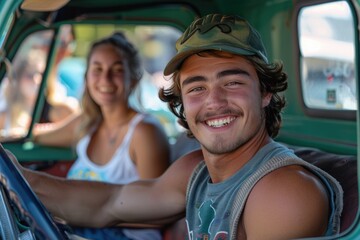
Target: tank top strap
{"points": [[194, 176], [283, 160], [138, 118]]}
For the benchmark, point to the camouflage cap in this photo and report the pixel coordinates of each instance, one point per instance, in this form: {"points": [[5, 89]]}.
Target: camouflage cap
{"points": [[217, 32]]}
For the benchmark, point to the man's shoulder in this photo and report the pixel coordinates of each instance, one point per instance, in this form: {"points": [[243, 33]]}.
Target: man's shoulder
{"points": [[190, 160], [177, 176], [290, 198], [185, 165], [290, 176], [290, 182]]}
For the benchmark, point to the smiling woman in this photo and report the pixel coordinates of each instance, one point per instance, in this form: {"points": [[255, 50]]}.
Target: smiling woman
{"points": [[114, 142]]}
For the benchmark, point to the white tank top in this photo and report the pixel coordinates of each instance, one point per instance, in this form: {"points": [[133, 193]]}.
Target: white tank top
{"points": [[120, 169]]}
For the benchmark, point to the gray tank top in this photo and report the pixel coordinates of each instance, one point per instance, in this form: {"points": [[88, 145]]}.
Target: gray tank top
{"points": [[213, 210]]}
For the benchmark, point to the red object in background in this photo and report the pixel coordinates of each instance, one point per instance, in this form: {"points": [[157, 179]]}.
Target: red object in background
{"points": [[330, 78]]}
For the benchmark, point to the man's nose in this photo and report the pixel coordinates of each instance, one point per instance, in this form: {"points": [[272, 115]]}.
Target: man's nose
{"points": [[216, 98]]}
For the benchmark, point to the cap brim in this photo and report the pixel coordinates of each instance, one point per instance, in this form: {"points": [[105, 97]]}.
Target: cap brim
{"points": [[175, 63]]}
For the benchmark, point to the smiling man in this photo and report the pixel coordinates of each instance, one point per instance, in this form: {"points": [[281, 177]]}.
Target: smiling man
{"points": [[242, 184]]}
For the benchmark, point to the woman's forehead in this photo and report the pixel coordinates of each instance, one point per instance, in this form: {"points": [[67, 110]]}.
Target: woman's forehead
{"points": [[107, 53]]}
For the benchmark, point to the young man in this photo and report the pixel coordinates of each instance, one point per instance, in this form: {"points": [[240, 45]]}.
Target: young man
{"points": [[242, 184]]}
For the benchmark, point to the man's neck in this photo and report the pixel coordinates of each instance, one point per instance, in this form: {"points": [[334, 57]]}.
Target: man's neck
{"points": [[223, 166]]}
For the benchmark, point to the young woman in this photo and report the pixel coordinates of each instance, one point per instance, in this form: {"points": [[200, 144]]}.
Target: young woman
{"points": [[114, 142]]}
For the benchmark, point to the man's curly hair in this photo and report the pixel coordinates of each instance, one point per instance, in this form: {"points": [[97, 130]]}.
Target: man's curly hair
{"points": [[272, 80]]}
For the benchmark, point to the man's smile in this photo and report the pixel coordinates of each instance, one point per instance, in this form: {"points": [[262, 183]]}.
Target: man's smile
{"points": [[220, 122]]}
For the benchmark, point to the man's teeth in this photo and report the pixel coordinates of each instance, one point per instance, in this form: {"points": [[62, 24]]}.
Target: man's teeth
{"points": [[220, 122]]}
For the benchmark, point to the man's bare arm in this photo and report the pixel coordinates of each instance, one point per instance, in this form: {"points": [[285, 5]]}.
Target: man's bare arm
{"points": [[287, 203], [97, 204]]}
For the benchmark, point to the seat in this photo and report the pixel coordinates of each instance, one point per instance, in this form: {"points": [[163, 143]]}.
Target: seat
{"points": [[344, 169]]}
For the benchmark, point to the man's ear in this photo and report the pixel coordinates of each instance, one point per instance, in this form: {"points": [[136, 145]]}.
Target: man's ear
{"points": [[266, 99]]}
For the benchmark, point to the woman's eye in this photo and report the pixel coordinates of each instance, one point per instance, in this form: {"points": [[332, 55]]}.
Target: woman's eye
{"points": [[117, 70], [96, 70]]}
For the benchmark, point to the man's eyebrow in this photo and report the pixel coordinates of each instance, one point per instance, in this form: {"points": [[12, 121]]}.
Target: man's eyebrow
{"points": [[192, 79], [229, 72]]}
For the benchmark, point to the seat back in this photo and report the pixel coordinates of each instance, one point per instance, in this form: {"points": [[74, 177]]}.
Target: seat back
{"points": [[344, 169]]}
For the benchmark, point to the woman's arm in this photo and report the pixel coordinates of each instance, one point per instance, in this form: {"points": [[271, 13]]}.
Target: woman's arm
{"points": [[59, 134], [99, 204]]}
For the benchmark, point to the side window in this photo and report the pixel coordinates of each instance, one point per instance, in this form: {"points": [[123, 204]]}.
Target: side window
{"points": [[327, 49], [20, 86]]}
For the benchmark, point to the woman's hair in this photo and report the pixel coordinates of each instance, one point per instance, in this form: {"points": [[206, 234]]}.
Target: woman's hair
{"points": [[272, 80], [91, 109]]}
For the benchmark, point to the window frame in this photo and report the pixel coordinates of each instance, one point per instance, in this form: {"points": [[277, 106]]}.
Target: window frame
{"points": [[347, 115]]}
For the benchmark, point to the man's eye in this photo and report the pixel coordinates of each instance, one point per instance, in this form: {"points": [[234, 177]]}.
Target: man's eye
{"points": [[233, 83], [196, 89]]}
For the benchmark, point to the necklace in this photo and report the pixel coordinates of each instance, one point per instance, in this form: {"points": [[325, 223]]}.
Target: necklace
{"points": [[113, 137], [112, 140], [113, 133]]}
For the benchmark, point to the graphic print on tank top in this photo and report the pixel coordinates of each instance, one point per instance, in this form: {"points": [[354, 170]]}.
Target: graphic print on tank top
{"points": [[207, 215]]}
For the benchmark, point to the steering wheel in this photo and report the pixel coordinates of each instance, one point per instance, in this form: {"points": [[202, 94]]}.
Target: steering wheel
{"points": [[23, 216]]}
